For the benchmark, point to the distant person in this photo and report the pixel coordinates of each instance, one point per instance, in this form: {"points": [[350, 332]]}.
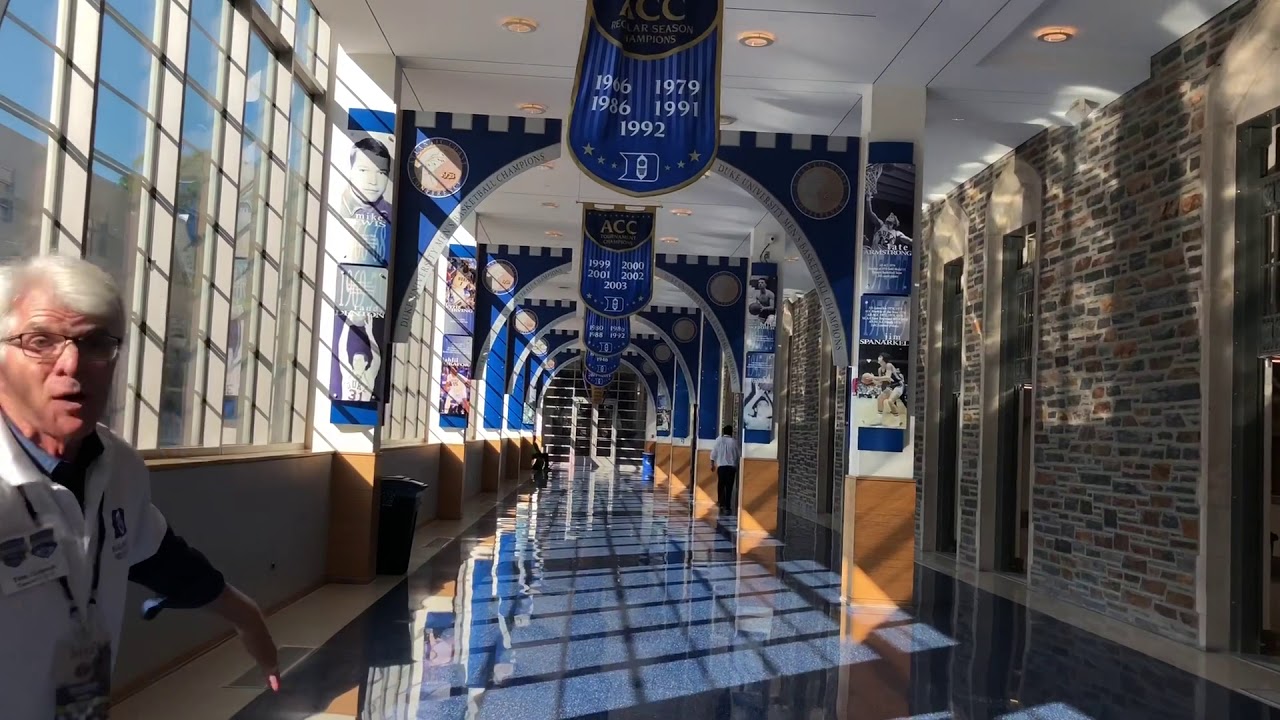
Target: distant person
{"points": [[724, 462]]}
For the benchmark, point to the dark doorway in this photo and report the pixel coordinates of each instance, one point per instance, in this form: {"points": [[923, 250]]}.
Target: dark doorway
{"points": [[1256, 310], [1013, 474], [949, 419]]}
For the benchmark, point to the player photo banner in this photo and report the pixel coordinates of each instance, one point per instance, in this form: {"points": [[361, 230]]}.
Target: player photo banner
{"points": [[761, 342], [645, 118], [880, 398], [888, 245], [617, 259], [455, 381], [606, 337]]}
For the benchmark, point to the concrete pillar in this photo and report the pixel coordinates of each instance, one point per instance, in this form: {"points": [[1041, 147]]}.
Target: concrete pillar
{"points": [[879, 494]]}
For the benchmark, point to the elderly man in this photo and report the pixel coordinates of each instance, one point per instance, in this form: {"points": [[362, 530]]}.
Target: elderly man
{"points": [[76, 518]]}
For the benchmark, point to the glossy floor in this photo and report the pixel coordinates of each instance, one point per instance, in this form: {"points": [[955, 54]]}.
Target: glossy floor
{"points": [[598, 598]]}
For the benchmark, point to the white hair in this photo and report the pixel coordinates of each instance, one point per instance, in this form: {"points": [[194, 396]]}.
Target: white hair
{"points": [[76, 284]]}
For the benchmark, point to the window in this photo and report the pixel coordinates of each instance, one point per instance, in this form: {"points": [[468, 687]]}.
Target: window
{"points": [[120, 172], [200, 195]]}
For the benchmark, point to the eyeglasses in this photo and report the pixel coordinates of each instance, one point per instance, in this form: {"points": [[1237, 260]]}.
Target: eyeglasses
{"points": [[48, 347]]}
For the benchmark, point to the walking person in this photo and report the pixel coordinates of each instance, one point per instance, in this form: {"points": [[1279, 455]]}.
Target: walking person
{"points": [[724, 461], [76, 519]]}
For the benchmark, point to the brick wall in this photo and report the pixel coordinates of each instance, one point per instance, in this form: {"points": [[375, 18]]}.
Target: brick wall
{"points": [[1118, 406], [918, 384], [801, 453]]}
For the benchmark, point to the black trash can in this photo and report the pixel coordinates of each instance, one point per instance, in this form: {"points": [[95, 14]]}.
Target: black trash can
{"points": [[397, 522]]}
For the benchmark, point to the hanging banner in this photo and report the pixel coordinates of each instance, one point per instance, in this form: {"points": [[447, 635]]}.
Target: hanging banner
{"points": [[645, 118], [880, 400], [455, 381], [601, 365], [604, 336], [597, 380], [761, 342], [887, 245], [617, 259]]}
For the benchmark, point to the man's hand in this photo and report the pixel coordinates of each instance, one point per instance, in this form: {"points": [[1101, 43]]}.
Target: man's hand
{"points": [[236, 608]]}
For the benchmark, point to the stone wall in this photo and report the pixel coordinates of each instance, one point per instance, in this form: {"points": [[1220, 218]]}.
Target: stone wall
{"points": [[1115, 519], [801, 452]]}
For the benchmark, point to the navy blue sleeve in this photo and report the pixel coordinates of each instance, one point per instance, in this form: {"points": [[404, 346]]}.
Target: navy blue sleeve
{"points": [[179, 573]]}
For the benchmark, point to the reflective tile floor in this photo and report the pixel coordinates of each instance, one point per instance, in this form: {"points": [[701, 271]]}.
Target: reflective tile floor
{"points": [[598, 598]]}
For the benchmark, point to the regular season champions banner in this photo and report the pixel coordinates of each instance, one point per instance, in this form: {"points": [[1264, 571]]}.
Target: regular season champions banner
{"points": [[646, 103], [600, 370], [887, 246], [605, 336], [761, 342], [880, 402], [617, 259]]}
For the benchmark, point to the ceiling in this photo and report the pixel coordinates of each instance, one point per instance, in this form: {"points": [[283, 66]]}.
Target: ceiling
{"points": [[991, 85]]}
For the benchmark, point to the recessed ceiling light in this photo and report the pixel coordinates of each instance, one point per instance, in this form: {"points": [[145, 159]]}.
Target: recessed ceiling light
{"points": [[728, 119], [547, 166], [670, 240], [1054, 35], [681, 212], [957, 119], [793, 258], [554, 233], [532, 108], [757, 39], [550, 204], [520, 25]]}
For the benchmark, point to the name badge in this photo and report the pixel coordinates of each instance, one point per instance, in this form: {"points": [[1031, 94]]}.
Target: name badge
{"points": [[31, 559]]}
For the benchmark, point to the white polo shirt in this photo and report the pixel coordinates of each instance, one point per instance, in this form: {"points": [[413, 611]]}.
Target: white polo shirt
{"points": [[32, 620]]}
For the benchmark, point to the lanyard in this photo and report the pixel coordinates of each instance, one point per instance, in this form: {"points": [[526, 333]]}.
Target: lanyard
{"points": [[97, 556]]}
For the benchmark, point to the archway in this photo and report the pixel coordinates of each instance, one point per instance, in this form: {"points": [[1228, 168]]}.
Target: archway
{"points": [[1014, 205], [490, 151], [948, 243]]}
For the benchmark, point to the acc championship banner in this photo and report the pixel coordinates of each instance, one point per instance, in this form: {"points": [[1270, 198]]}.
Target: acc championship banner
{"points": [[617, 259], [600, 370], [880, 400], [646, 101], [762, 322], [606, 337], [888, 225]]}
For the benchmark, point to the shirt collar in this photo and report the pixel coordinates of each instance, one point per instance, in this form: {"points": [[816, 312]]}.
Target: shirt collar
{"points": [[90, 448]]}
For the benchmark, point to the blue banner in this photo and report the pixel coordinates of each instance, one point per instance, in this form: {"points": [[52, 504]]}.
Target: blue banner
{"points": [[617, 259], [880, 409], [597, 365], [889, 223], [645, 118], [762, 323], [606, 337]]}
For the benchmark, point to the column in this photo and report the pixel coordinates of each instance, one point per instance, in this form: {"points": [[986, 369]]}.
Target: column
{"points": [[758, 485], [708, 419], [452, 387], [879, 493], [353, 333]]}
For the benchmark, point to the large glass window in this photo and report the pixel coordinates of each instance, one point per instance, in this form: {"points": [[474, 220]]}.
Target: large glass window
{"points": [[116, 236], [223, 240]]}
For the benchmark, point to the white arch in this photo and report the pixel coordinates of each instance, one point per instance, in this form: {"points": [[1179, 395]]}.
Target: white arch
{"points": [[519, 297], [793, 230], [676, 356], [653, 402], [657, 370], [425, 274]]}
